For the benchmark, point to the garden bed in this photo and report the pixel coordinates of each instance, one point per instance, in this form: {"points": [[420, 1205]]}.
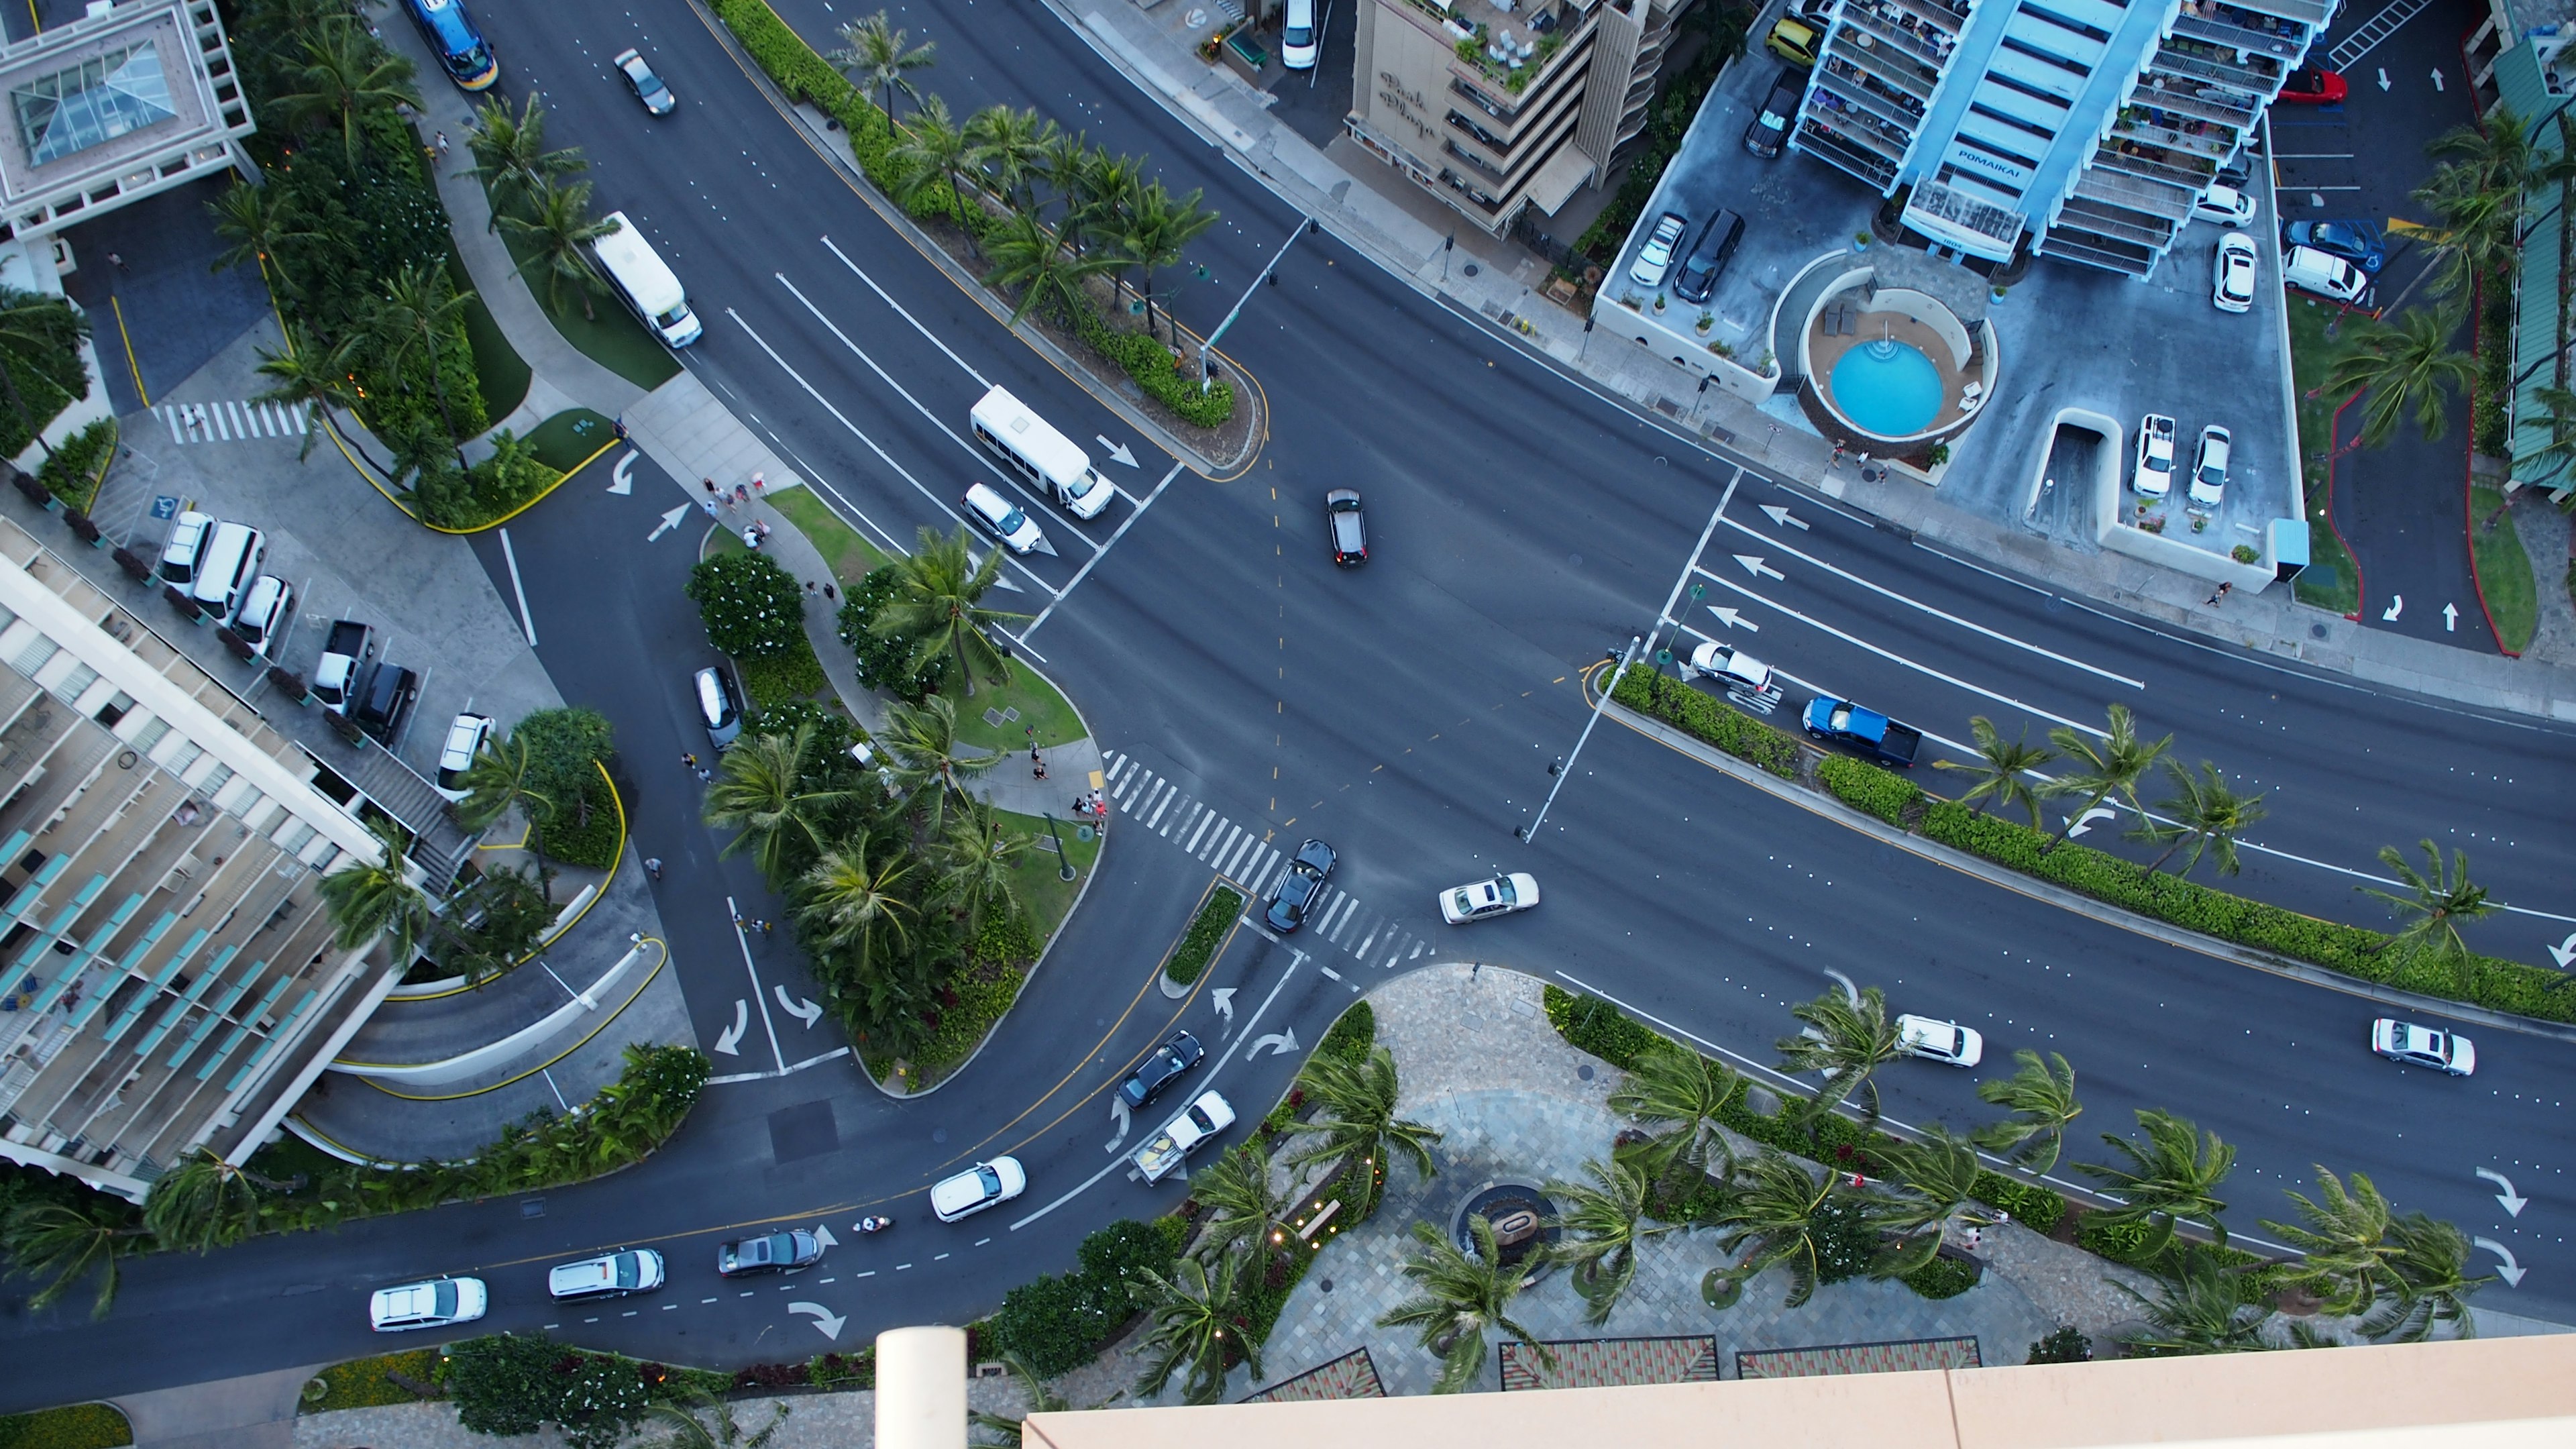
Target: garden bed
{"points": [[1208, 931]]}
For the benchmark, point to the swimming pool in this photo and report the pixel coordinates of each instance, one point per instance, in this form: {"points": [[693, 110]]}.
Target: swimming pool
{"points": [[1888, 388]]}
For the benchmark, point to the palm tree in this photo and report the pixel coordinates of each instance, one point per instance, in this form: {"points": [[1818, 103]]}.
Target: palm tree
{"points": [[255, 219], [1464, 1297], [2439, 901], [557, 232], [877, 56], [1939, 1177], [1063, 162], [700, 1420], [346, 75], [1039, 1395], [1236, 1189], [312, 377], [2111, 767], [370, 898], [1035, 260], [497, 781], [938, 599], [2344, 1244], [2410, 365], [931, 154], [2206, 815], [2003, 765], [2041, 1097], [1196, 1316], [1676, 1093], [1154, 234], [1358, 1120], [761, 790], [1109, 188], [845, 902], [1771, 1216], [421, 312], [922, 741], [976, 857], [1606, 1219], [1847, 1038], [63, 1243], [2172, 1179], [1009, 146], [35, 325], [2432, 1286], [205, 1203], [510, 155], [2199, 1307]]}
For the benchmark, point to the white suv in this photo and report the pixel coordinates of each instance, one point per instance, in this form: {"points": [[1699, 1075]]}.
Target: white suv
{"points": [[1940, 1041], [1004, 519], [978, 1188], [434, 1304]]}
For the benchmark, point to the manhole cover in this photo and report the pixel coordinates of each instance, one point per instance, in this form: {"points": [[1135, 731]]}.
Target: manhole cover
{"points": [[1584, 1071], [939, 1134], [534, 1207], [1327, 1285], [2316, 631], [1472, 269]]}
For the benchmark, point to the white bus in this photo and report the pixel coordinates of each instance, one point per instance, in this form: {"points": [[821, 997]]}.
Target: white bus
{"points": [[1047, 459], [646, 282]]}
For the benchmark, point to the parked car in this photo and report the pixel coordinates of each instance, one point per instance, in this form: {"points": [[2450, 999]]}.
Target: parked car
{"points": [[647, 86], [386, 703], [610, 1275], [1300, 39], [977, 1188], [1738, 671], [434, 1304], [2312, 86], [2209, 471], [342, 668], [1348, 527], [263, 613], [1717, 240], [2153, 475], [1939, 1041], [1194, 1127], [2318, 274], [2232, 289], [184, 548], [2357, 242], [1298, 886], [1842, 722], [1768, 131], [1485, 899], [1656, 257], [1162, 1066], [719, 708], [1795, 41], [2225, 205], [2423, 1046], [1003, 519], [466, 736], [786, 1252]]}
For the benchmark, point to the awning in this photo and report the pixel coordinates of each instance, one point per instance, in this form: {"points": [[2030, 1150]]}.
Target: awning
{"points": [[1555, 181]]}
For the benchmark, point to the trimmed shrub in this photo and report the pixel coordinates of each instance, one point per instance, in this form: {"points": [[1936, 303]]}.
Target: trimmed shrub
{"points": [[369, 1382], [1943, 1277], [1057, 1322], [1352, 1034], [782, 679], [1214, 919], [2119, 1242], [752, 607], [1163, 378], [1706, 717], [2066, 1345], [1882, 793], [1593, 1025], [885, 661], [1845, 1240], [74, 1426], [2037, 1208]]}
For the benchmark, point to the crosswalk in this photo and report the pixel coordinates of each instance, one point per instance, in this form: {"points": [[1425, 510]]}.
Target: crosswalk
{"points": [[1242, 852], [233, 422]]}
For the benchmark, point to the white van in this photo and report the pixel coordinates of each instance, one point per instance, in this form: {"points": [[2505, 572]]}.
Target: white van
{"points": [[232, 558], [186, 548], [1038, 453], [646, 282], [2330, 277]]}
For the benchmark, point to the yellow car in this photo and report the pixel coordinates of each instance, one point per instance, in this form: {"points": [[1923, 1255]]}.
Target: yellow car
{"points": [[1796, 42]]}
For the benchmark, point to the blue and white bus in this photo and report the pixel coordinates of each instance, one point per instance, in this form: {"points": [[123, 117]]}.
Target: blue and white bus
{"points": [[461, 49]]}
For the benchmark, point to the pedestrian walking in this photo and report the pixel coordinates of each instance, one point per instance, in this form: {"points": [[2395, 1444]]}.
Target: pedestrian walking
{"points": [[761, 926], [759, 484], [117, 260], [706, 776], [1038, 768], [689, 759], [709, 505], [751, 538], [622, 435], [2222, 592], [809, 586], [653, 866], [442, 145], [711, 486], [828, 595], [742, 493]]}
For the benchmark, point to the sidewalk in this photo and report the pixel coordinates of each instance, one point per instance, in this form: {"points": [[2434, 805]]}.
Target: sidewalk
{"points": [[1369, 207]]}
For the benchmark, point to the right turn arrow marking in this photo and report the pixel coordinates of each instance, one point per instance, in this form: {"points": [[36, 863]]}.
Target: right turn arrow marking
{"points": [[824, 1318], [2512, 1200], [2512, 1271]]}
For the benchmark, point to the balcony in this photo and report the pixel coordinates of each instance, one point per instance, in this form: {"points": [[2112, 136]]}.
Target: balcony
{"points": [[2154, 126], [2312, 13], [1484, 200], [1852, 86], [2192, 59], [1901, 71], [1475, 163], [2170, 200], [1487, 139], [1865, 131], [1832, 149], [2242, 32], [2103, 252], [2096, 217], [1867, 28], [1481, 101], [2196, 99], [1921, 12]]}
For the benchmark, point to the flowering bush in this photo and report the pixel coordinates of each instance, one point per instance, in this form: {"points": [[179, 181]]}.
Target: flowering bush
{"points": [[752, 608]]}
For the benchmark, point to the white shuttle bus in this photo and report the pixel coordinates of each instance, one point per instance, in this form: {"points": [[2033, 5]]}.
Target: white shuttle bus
{"points": [[1047, 459], [646, 282]]}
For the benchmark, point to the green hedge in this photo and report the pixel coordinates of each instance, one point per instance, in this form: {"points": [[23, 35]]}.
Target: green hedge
{"points": [[1214, 919], [366, 1383], [1593, 1025], [1708, 718], [1352, 1034], [1942, 1278], [77, 1426], [1883, 793], [2119, 1242], [2037, 1208], [979, 1004], [72, 474], [1056, 1322], [574, 840], [782, 678], [1170, 383]]}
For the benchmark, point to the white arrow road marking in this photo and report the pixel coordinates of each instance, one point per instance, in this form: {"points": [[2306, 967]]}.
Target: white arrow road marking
{"points": [[2450, 618], [1734, 619], [2512, 1271], [2437, 85], [1118, 451], [622, 477], [803, 1009], [2396, 606], [1754, 565], [1782, 517], [2383, 77], [729, 1040], [1284, 1041], [2076, 827], [2565, 951], [824, 1318], [1223, 1000], [1118, 1114], [823, 1235], [2512, 1200], [1851, 993], [670, 520]]}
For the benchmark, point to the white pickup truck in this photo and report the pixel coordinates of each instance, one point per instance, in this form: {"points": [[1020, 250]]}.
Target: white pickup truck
{"points": [[1184, 1134], [2152, 477]]}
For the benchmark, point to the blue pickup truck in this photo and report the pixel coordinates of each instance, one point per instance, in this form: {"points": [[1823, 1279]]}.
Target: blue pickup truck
{"points": [[1873, 734]]}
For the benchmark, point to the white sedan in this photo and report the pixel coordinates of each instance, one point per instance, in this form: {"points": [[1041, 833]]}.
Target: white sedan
{"points": [[2423, 1046], [1939, 1041], [2232, 287], [1485, 899], [2225, 205]]}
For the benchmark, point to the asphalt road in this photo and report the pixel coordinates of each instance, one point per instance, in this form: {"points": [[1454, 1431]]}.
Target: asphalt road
{"points": [[1519, 528]]}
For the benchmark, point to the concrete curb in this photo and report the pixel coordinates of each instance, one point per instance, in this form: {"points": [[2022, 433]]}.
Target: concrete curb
{"points": [[1823, 803]]}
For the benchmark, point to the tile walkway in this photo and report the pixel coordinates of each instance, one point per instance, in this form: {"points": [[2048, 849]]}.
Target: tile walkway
{"points": [[1859, 1358], [1599, 1363]]}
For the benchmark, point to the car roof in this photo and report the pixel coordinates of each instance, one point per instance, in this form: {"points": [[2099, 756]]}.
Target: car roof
{"points": [[462, 733]]}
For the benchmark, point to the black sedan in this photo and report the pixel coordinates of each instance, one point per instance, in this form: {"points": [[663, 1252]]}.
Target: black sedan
{"points": [[1348, 526], [647, 86], [771, 1253], [1295, 894], [1164, 1067]]}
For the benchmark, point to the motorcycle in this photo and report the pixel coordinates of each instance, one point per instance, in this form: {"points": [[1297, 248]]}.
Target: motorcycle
{"points": [[873, 1224]]}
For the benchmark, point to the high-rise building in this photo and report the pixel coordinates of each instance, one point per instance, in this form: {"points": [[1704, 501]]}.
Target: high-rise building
{"points": [[2089, 126]]}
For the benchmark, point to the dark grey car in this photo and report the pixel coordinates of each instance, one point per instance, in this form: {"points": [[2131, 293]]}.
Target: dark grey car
{"points": [[1349, 527], [1770, 128], [1295, 894], [1166, 1065]]}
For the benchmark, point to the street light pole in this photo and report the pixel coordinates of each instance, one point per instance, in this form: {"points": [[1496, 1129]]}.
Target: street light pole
{"points": [[1064, 863], [1209, 341]]}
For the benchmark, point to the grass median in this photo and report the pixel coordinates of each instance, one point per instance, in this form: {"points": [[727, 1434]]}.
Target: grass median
{"points": [[2504, 569]]}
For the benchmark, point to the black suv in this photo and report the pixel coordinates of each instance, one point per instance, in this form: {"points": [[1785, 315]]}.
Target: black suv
{"points": [[386, 702], [1295, 894], [1769, 130], [1166, 1066], [1697, 279]]}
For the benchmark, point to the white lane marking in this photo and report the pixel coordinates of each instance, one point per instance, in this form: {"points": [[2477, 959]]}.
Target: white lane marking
{"points": [[527, 621], [1218, 844], [1368, 940], [882, 455], [1251, 845], [1773, 541], [965, 366], [868, 1274], [1160, 810], [744, 942], [1116, 534]]}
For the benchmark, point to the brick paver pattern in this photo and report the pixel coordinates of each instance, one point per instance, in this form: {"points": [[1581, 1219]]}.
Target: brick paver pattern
{"points": [[1352, 1376], [1612, 1363], [1858, 1358]]}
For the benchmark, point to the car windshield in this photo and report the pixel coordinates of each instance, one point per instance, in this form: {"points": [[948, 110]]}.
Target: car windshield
{"points": [[1014, 521], [1503, 890], [2212, 474], [630, 1270], [991, 1180], [442, 1300], [1464, 901]]}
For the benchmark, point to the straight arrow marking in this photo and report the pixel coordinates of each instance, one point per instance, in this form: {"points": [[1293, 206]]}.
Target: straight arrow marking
{"points": [[670, 520], [2512, 1200], [1754, 565], [1734, 619], [2451, 618], [1783, 518], [1118, 451], [823, 1235]]}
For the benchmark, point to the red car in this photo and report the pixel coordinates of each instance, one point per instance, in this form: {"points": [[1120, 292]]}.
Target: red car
{"points": [[2314, 87]]}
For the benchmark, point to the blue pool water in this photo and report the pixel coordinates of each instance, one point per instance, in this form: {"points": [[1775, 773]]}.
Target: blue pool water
{"points": [[1894, 396]]}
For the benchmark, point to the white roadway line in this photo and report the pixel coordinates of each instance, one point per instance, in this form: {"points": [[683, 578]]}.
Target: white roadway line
{"points": [[739, 939], [1665, 615], [1008, 479], [1296, 959], [1125, 524], [962, 363], [527, 620], [882, 456], [1772, 543], [1793, 1084]]}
